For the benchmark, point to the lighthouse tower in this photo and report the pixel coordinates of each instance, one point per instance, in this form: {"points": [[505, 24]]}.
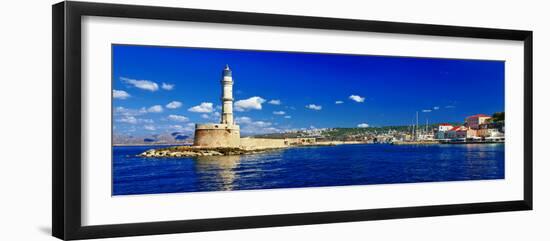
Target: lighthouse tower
{"points": [[227, 97], [226, 133]]}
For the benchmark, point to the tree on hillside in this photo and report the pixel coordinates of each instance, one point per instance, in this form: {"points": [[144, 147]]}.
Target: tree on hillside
{"points": [[498, 117]]}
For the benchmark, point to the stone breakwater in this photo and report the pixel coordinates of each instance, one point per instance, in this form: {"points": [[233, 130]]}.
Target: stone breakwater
{"points": [[193, 151]]}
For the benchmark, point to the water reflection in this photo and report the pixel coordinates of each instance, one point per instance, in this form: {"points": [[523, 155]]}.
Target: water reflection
{"points": [[218, 172], [477, 156]]}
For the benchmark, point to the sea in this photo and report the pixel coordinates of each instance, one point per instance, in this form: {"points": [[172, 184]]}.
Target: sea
{"points": [[299, 167]]}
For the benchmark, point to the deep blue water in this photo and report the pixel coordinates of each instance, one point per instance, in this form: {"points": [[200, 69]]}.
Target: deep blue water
{"points": [[306, 167]]}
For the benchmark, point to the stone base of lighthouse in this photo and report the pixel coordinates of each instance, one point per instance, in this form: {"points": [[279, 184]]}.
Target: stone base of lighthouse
{"points": [[217, 135]]}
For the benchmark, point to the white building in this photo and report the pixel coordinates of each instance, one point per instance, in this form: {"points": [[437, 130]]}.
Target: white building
{"points": [[442, 130]]}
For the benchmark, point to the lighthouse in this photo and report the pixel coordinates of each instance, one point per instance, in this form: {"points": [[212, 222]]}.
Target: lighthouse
{"points": [[226, 133], [227, 97]]}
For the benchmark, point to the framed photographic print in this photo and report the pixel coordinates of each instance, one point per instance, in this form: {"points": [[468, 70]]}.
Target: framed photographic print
{"points": [[169, 120]]}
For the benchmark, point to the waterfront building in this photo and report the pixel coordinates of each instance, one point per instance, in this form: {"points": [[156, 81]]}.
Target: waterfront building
{"points": [[440, 135], [476, 127], [490, 133], [492, 125], [457, 132], [444, 127], [442, 130], [472, 134], [475, 120]]}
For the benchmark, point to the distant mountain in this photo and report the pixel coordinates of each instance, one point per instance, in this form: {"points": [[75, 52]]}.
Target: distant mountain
{"points": [[157, 139]]}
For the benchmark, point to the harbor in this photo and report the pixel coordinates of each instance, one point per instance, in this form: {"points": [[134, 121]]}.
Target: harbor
{"points": [[476, 129], [266, 124]]}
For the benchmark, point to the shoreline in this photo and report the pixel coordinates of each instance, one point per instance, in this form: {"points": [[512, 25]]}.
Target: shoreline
{"points": [[195, 151]]}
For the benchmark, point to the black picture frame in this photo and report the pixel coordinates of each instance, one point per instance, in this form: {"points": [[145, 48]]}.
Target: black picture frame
{"points": [[66, 158]]}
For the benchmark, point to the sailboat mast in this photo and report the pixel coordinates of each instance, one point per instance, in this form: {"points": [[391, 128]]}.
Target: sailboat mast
{"points": [[416, 133], [426, 130]]}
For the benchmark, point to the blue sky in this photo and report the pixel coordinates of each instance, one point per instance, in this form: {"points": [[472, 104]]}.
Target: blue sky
{"points": [[165, 89]]}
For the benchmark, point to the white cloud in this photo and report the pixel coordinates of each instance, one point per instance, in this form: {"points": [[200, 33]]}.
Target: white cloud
{"points": [[173, 105], [189, 127], [363, 125], [339, 102], [288, 117], [128, 119], [128, 112], [243, 120], [141, 84], [166, 86], [133, 120], [261, 124], [211, 116], [314, 107], [271, 130], [128, 116], [250, 129], [149, 127], [120, 94], [426, 111], [357, 98], [178, 118], [204, 107], [436, 107], [449, 106], [278, 112], [252, 103], [274, 102], [154, 109], [120, 109], [177, 127], [255, 127]]}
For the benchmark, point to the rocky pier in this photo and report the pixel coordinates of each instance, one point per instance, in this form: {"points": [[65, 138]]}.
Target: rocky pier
{"points": [[194, 151]]}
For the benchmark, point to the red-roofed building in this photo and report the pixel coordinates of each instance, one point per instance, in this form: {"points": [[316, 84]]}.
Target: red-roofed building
{"points": [[475, 120], [457, 128], [461, 132]]}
